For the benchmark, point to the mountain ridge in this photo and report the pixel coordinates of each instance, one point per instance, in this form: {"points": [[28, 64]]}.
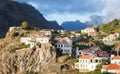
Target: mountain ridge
{"points": [[13, 13]]}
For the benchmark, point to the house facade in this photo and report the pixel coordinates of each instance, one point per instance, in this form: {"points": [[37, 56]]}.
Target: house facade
{"points": [[14, 27], [65, 45], [32, 41], [88, 30], [87, 63], [114, 66], [111, 37]]}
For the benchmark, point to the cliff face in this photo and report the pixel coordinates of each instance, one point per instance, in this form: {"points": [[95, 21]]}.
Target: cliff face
{"points": [[26, 60], [13, 13]]}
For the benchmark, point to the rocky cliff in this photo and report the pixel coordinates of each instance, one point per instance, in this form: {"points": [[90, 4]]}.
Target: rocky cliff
{"points": [[27, 60], [24, 59]]}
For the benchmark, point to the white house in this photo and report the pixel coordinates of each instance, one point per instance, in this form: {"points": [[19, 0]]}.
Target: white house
{"points": [[87, 63], [114, 66], [43, 39], [65, 45], [111, 37], [28, 40], [115, 59], [45, 33], [32, 41], [87, 30], [14, 27], [92, 33]]}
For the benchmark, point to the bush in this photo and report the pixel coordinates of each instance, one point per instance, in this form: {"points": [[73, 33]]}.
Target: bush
{"points": [[24, 25], [63, 58], [12, 49], [15, 34], [39, 44]]}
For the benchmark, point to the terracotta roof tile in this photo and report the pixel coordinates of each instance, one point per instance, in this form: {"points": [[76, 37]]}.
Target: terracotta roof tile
{"points": [[116, 57], [100, 52], [111, 67], [91, 43], [105, 55], [85, 56]]}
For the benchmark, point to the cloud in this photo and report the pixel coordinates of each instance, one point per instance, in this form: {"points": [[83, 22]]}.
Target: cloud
{"points": [[66, 17], [67, 10], [71, 6]]}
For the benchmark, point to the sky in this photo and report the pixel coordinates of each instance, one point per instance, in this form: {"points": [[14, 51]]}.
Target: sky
{"points": [[71, 10]]}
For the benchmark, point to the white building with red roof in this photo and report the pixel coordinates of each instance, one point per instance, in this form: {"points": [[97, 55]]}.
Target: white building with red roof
{"points": [[114, 67], [87, 63], [111, 37], [87, 30]]}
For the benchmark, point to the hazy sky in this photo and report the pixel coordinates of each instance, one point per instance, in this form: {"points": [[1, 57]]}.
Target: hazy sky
{"points": [[70, 10]]}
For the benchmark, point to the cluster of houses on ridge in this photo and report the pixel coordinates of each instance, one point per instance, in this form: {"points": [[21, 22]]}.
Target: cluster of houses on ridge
{"points": [[88, 58]]}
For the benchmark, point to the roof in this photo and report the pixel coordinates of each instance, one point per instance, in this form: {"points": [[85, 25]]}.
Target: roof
{"points": [[91, 42], [85, 56], [62, 42], [111, 67], [100, 52], [92, 32], [116, 57], [105, 55], [87, 51]]}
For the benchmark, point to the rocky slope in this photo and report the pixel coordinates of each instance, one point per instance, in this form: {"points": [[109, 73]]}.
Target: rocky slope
{"points": [[24, 60], [13, 13]]}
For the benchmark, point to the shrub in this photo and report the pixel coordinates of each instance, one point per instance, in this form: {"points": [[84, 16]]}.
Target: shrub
{"points": [[15, 34], [63, 58], [12, 49]]}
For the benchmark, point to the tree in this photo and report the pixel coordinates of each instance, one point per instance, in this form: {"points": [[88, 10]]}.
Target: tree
{"points": [[24, 25]]}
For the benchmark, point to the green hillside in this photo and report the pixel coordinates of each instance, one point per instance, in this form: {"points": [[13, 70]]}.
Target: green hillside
{"points": [[110, 27]]}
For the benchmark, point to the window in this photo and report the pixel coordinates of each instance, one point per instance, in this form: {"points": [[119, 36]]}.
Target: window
{"points": [[90, 60]]}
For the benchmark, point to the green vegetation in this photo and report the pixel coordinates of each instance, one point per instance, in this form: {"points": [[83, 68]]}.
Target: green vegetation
{"points": [[66, 35], [12, 49], [25, 26], [111, 27], [62, 59], [15, 34]]}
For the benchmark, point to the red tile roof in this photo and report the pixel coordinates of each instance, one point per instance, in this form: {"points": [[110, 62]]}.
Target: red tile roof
{"points": [[85, 56], [100, 52], [92, 33], [116, 57], [112, 67], [91, 43], [105, 55]]}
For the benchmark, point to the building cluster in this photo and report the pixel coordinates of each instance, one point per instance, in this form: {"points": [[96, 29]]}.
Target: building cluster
{"points": [[113, 67], [43, 36], [111, 37], [88, 59], [90, 31]]}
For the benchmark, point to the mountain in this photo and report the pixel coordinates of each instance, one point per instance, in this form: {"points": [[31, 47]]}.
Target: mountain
{"points": [[13, 13], [111, 27], [95, 20], [55, 25], [77, 25], [73, 25]]}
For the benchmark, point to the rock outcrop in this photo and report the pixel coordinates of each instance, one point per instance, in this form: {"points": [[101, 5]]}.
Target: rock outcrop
{"points": [[26, 60]]}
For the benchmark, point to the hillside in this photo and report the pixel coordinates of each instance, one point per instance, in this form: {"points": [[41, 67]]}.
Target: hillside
{"points": [[13, 13], [20, 58], [111, 27]]}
